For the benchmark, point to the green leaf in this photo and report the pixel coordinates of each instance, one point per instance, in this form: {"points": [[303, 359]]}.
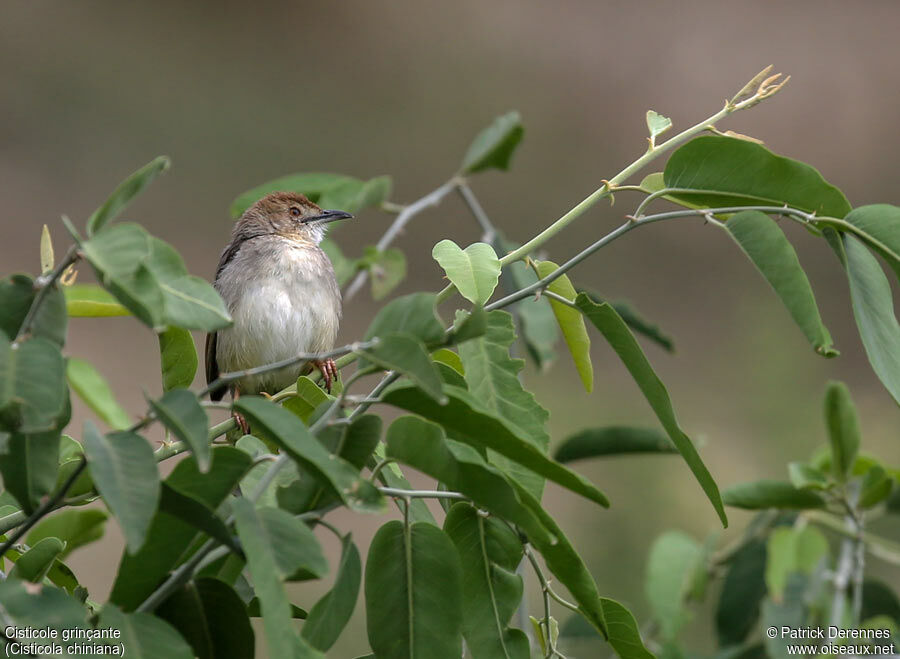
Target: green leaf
{"points": [[118, 256], [449, 358], [423, 446], [74, 527], [144, 635], [95, 391], [406, 354], [624, 634], [328, 190], [763, 494], [392, 476], [766, 245], [47, 258], [735, 172], [354, 443], [17, 293], [190, 302], [34, 564], [295, 548], [567, 565], [123, 468], [612, 440], [843, 429], [92, 301], [474, 270], [28, 466], [657, 125], [330, 615], [493, 378], [876, 225], [635, 320], [467, 325], [169, 537], [181, 413], [807, 477], [492, 590], [197, 514], [262, 561], [354, 195], [466, 420], [790, 612], [876, 486], [571, 323], [309, 396], [70, 453], [149, 278], [35, 608], [537, 323], [879, 599], [413, 314], [386, 269], [790, 550], [873, 308], [32, 385], [413, 593], [254, 610], [742, 593], [674, 559], [623, 342], [178, 358], [291, 435], [212, 618], [125, 192], [493, 147]]}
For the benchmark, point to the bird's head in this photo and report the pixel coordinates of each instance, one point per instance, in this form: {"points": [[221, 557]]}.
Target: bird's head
{"points": [[293, 215]]}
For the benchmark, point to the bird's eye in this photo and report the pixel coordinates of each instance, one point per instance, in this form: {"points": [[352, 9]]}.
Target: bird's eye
{"points": [[295, 211]]}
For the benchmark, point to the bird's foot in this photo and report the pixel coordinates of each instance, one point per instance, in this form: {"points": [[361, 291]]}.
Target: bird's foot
{"points": [[329, 372], [241, 422]]}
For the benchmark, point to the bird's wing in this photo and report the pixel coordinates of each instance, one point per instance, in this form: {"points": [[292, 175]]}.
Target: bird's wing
{"points": [[212, 366]]}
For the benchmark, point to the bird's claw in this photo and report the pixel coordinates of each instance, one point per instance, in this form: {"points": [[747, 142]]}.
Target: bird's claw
{"points": [[241, 422], [329, 372]]}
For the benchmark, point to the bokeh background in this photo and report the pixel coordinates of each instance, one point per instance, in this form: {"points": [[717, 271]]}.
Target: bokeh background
{"points": [[238, 93]]}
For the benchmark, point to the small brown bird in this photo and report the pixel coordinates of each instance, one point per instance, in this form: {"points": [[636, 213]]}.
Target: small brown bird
{"points": [[280, 289]]}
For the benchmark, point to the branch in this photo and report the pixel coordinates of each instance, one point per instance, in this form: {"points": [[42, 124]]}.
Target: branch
{"points": [[633, 223], [46, 507], [43, 284], [764, 88], [490, 231], [421, 494], [225, 378], [431, 199]]}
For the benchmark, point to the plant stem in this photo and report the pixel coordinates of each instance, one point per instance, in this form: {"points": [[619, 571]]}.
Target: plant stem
{"points": [[433, 198], [620, 231], [43, 284], [490, 231], [421, 494], [225, 378], [609, 186], [545, 588], [47, 506]]}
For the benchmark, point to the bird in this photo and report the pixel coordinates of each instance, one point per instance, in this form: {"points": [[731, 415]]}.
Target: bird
{"points": [[280, 288]]}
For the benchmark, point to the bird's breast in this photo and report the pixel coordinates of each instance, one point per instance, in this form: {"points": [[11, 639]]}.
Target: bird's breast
{"points": [[284, 301]]}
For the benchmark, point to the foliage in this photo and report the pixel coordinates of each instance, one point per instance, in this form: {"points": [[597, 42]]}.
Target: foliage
{"points": [[217, 541]]}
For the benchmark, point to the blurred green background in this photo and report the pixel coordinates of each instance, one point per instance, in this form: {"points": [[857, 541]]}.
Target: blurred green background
{"points": [[238, 93]]}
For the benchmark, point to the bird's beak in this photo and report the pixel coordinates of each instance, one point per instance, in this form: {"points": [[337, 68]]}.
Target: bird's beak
{"points": [[328, 216]]}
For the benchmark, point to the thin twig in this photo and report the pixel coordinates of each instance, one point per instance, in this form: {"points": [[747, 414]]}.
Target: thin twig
{"points": [[46, 507], [763, 90], [433, 198], [421, 494], [43, 284], [225, 378], [490, 231], [542, 284]]}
